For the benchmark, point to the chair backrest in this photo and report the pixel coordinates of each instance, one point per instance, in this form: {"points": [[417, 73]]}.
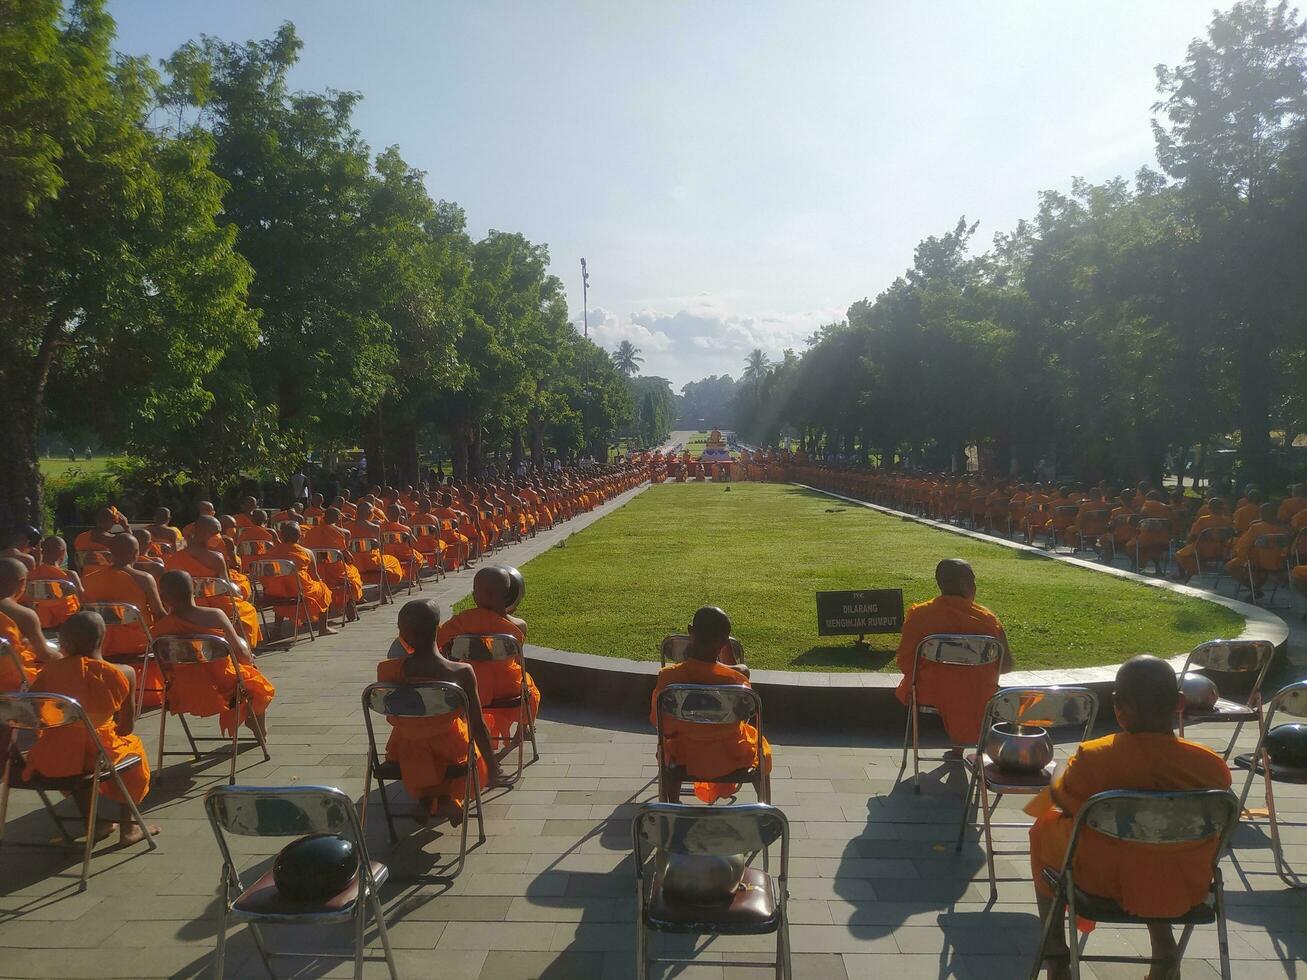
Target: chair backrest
{"points": [[426, 530], [675, 645], [115, 613], [313, 521], [1154, 524], [33, 712], [282, 811], [95, 556], [8, 652], [363, 546], [1233, 657], [1145, 817], [209, 587], [250, 549], [414, 699], [1291, 700], [720, 831], [332, 556], [709, 704], [271, 568], [1066, 511], [1223, 534], [393, 537], [1047, 707], [961, 649], [485, 646], [190, 648], [1273, 542], [1096, 516], [49, 588]]}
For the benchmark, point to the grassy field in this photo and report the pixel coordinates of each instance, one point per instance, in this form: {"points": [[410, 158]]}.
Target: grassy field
{"points": [[62, 467], [761, 552]]}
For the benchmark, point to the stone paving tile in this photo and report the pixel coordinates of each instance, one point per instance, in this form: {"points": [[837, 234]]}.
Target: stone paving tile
{"points": [[877, 888]]}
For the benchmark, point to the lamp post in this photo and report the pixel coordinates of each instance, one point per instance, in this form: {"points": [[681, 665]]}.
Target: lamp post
{"points": [[585, 298]]}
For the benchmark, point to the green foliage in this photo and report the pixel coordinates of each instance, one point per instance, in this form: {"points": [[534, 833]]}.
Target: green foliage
{"points": [[657, 408]]}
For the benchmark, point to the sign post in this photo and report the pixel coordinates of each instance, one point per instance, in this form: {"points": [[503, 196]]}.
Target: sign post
{"points": [[859, 613]]}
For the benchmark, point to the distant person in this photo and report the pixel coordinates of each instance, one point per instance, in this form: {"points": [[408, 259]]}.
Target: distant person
{"points": [[959, 693]]}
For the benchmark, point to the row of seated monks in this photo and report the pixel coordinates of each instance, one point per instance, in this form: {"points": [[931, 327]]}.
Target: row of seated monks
{"points": [[156, 567]]}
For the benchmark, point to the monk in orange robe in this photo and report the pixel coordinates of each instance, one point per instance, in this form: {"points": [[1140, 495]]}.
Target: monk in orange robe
{"points": [[432, 545], [21, 628], [1292, 505], [1146, 546], [97, 539], [104, 691], [200, 559], [342, 577], [316, 508], [500, 679], [427, 748], [204, 508], [1188, 558], [150, 555], [1248, 510], [317, 595], [1148, 880], [244, 517], [410, 560], [373, 563], [161, 529], [53, 568], [705, 751], [208, 689], [124, 582], [1246, 552], [256, 529], [959, 693]]}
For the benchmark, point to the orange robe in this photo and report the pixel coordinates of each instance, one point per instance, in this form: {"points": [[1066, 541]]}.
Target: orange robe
{"points": [[959, 693], [372, 562], [426, 748], [402, 552], [339, 575], [317, 596], [707, 751], [102, 690], [249, 616], [9, 677], [55, 611], [207, 689], [1245, 515], [497, 680], [1145, 879], [1189, 556], [1290, 508], [118, 585]]}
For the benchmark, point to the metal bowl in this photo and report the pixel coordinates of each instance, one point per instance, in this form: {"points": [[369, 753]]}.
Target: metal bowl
{"points": [[702, 879], [1019, 748], [516, 588], [1287, 745], [1199, 692]]}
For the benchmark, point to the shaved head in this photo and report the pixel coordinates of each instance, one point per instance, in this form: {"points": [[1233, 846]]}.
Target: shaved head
{"points": [[1146, 695], [162, 516], [81, 634], [418, 621], [1269, 512], [205, 528], [13, 573], [710, 627], [955, 577], [205, 508], [289, 532], [177, 587], [490, 587], [53, 549], [124, 548]]}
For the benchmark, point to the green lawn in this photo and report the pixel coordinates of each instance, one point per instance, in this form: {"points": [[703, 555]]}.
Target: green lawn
{"points": [[62, 467], [761, 551]]}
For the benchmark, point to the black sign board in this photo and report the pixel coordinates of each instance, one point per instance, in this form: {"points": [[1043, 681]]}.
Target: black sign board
{"points": [[856, 613]]}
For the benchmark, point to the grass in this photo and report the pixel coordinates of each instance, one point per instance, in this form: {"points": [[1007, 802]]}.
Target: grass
{"points": [[698, 442], [761, 551], [63, 467]]}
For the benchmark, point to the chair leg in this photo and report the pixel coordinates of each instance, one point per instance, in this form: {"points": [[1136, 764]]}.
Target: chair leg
{"points": [[1046, 933], [91, 809], [4, 792], [986, 813], [385, 808], [163, 723], [380, 915], [1222, 932], [195, 748], [641, 938], [360, 920], [235, 737], [783, 948], [916, 746], [968, 802]]}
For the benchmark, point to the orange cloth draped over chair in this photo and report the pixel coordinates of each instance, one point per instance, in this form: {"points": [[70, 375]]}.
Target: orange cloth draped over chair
{"points": [[102, 690], [317, 596], [1156, 880], [402, 551], [372, 562], [9, 679], [206, 689], [1190, 555], [496, 680], [337, 574], [958, 693], [249, 616], [118, 585], [55, 611], [426, 748], [708, 750]]}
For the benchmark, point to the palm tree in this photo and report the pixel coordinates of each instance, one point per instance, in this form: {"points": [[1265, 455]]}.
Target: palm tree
{"points": [[627, 358], [755, 366]]}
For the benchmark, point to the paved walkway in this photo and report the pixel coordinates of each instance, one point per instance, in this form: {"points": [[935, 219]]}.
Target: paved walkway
{"points": [[876, 890]]}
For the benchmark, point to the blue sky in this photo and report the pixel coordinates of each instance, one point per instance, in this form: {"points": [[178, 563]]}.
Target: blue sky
{"points": [[735, 173]]}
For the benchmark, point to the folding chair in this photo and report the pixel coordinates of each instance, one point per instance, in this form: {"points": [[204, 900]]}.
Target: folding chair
{"points": [[339, 592], [665, 833], [501, 646], [200, 648], [37, 713], [1230, 657], [1292, 701], [1092, 526], [1137, 816], [293, 811], [409, 564], [42, 589], [126, 614], [1269, 554], [711, 704], [252, 549], [93, 558], [1064, 515], [1044, 514], [674, 646], [1154, 525], [1051, 708], [7, 652], [419, 699], [221, 593], [422, 535], [1223, 538], [368, 560], [959, 649], [282, 574], [1115, 524]]}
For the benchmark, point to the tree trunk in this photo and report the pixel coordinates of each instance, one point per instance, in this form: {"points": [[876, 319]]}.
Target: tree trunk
{"points": [[537, 425], [517, 450], [472, 436], [404, 450], [458, 451], [21, 485], [374, 440]]}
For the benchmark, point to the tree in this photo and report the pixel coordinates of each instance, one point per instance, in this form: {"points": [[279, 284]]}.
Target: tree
{"points": [[755, 366], [123, 296], [627, 358]]}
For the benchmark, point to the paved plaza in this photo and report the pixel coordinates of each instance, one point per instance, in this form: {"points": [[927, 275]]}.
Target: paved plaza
{"points": [[877, 889]]}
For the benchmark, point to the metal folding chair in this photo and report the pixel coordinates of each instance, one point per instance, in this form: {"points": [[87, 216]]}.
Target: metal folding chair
{"points": [[93, 558], [419, 699], [1226, 658], [7, 652], [41, 589], [200, 649], [1064, 515], [710, 704], [221, 593], [368, 560], [1092, 526], [293, 811], [37, 713], [674, 646], [1051, 708], [471, 647], [1154, 525], [424, 536], [409, 564], [959, 649], [1224, 539], [1291, 701], [340, 591], [664, 834], [1137, 816], [252, 549], [279, 573], [126, 614]]}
